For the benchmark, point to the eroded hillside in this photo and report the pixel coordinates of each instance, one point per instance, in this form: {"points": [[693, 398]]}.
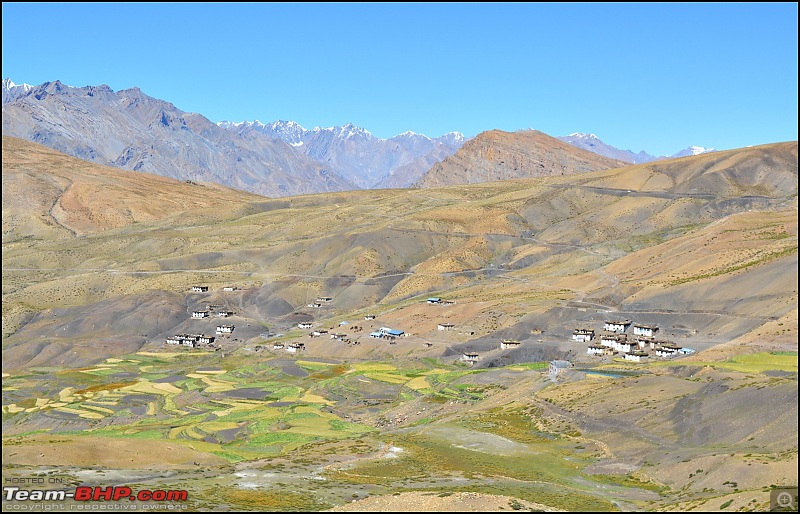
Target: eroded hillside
{"points": [[98, 269]]}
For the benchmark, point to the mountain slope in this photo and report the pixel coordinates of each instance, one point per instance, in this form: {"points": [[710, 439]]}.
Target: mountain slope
{"points": [[704, 247], [497, 155], [48, 195], [133, 131], [590, 237], [356, 154], [592, 143]]}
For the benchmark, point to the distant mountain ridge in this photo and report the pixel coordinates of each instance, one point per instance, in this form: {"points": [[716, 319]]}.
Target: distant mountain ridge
{"points": [[594, 144], [497, 155], [131, 130], [357, 154]]}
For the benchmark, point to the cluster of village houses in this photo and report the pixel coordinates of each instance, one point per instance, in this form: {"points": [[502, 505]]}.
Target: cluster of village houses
{"points": [[200, 340], [614, 339], [385, 333]]}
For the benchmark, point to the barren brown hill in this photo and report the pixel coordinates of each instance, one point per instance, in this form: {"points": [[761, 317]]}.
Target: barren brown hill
{"points": [[651, 239], [47, 194], [497, 155], [704, 248]]}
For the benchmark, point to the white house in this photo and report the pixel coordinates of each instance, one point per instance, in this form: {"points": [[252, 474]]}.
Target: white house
{"points": [[666, 349], [199, 314], [224, 314], [445, 326], [611, 339], [325, 299], [636, 356], [228, 289], [583, 335], [597, 349], [199, 289], [277, 346], [470, 357], [625, 346], [557, 366], [666, 352], [205, 339], [224, 329], [644, 330], [369, 317], [506, 344], [434, 300], [295, 347], [616, 326], [304, 324]]}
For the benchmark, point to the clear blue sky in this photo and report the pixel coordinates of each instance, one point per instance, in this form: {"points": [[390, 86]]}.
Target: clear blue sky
{"points": [[653, 77]]}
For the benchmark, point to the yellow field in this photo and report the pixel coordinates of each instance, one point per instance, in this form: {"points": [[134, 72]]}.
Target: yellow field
{"points": [[387, 377], [310, 363], [214, 386], [372, 366], [314, 398], [81, 413], [752, 363], [98, 409], [149, 387], [418, 383]]}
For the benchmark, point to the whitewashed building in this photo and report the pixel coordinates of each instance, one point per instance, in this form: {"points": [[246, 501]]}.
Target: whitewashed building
{"points": [[616, 326], [583, 335], [470, 357], [644, 330]]}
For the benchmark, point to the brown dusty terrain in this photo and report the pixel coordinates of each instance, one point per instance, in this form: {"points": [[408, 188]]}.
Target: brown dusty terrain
{"points": [[103, 452], [430, 502]]}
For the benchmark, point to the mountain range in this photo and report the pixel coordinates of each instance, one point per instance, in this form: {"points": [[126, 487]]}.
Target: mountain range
{"points": [[594, 144], [359, 156], [131, 130]]}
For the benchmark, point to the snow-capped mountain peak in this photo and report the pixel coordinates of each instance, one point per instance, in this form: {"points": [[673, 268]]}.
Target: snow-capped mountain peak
{"points": [[697, 150], [581, 135], [8, 84], [592, 143], [693, 150]]}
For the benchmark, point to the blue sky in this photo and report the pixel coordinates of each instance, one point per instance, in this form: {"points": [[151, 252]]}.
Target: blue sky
{"points": [[653, 77]]}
